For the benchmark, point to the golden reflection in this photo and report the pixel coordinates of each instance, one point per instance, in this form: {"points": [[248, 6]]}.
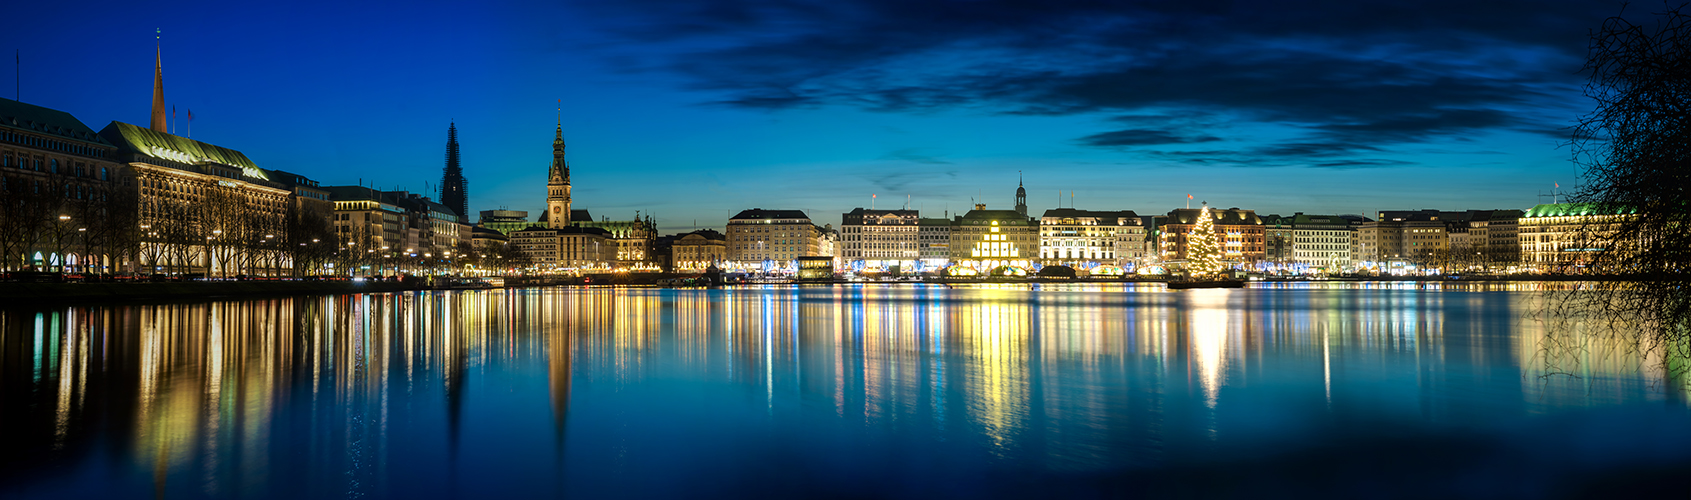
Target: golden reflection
{"points": [[212, 397], [1575, 362], [1209, 340]]}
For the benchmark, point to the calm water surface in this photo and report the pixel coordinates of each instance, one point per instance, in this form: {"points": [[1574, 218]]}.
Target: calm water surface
{"points": [[1359, 390]]}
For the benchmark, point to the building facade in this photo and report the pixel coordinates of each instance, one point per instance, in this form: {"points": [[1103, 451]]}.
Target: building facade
{"points": [[698, 251], [1240, 232], [505, 221], [1567, 237], [1321, 242], [203, 208], [634, 239], [1083, 239], [772, 240], [933, 242], [879, 240], [986, 240], [66, 202]]}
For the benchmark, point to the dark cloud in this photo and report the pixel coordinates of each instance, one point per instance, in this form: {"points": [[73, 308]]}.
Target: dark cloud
{"points": [[1355, 164], [1143, 137], [901, 181], [1351, 75]]}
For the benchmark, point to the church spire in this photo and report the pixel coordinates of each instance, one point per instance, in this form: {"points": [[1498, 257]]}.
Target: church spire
{"points": [[452, 184], [158, 124], [558, 180]]}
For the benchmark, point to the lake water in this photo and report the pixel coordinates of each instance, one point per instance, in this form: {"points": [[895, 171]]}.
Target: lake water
{"points": [[1344, 390]]}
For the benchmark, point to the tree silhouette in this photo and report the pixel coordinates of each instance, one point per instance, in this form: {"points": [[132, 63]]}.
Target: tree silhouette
{"points": [[1634, 147]]}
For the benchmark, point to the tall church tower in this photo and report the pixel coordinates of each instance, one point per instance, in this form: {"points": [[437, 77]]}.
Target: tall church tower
{"points": [[452, 184], [1021, 198], [558, 185], [158, 124]]}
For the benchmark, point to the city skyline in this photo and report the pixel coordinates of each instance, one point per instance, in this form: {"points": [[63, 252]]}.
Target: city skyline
{"points": [[688, 121]]}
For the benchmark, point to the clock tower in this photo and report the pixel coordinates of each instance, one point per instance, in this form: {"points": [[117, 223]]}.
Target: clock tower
{"points": [[558, 185]]}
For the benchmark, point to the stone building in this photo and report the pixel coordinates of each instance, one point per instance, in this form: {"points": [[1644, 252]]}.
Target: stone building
{"points": [[933, 238], [204, 208], [1240, 232], [777, 238], [698, 251], [66, 202], [878, 240], [1567, 237], [1083, 239], [1321, 241], [988, 239]]}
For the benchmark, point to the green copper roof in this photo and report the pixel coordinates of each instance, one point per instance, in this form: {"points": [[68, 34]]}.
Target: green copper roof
{"points": [[176, 148], [1567, 209]]}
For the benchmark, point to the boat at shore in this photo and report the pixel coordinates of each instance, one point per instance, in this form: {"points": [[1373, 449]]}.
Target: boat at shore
{"points": [[1223, 283]]}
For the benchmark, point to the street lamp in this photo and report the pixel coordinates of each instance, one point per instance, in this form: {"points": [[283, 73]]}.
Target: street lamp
{"points": [[59, 241]]}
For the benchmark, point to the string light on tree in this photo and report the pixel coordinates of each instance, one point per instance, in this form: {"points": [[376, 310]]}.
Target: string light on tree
{"points": [[1203, 249]]}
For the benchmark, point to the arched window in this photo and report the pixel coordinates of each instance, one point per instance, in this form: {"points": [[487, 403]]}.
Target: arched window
{"points": [[53, 166]]}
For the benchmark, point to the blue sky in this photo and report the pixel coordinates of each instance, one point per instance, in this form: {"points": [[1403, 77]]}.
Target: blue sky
{"points": [[693, 110]]}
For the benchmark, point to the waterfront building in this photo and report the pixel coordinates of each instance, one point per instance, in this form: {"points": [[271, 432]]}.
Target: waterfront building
{"points": [[310, 199], [879, 240], [1240, 232], [1321, 242], [1566, 237], [1503, 238], [1483, 239], [203, 208], [1277, 240], [933, 242], [537, 248], [1083, 239], [986, 240], [698, 251], [634, 238], [484, 241], [370, 227], [771, 240], [453, 187], [505, 221], [65, 200], [1401, 240], [566, 249], [587, 248]]}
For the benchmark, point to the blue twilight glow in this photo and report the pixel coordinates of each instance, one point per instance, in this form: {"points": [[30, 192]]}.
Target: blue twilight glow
{"points": [[693, 110]]}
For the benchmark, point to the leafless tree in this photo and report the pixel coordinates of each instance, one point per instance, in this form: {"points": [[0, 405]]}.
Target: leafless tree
{"points": [[1635, 149]]}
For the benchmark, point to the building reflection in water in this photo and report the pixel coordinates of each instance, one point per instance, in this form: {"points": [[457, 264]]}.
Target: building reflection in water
{"points": [[337, 396]]}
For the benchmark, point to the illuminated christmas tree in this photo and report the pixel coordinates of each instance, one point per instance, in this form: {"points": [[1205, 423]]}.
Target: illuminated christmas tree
{"points": [[1203, 250]]}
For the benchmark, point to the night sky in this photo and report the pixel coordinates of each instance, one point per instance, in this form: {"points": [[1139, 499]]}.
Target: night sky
{"points": [[694, 110]]}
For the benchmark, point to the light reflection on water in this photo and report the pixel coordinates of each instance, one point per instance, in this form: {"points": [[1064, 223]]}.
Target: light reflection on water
{"points": [[600, 391]]}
